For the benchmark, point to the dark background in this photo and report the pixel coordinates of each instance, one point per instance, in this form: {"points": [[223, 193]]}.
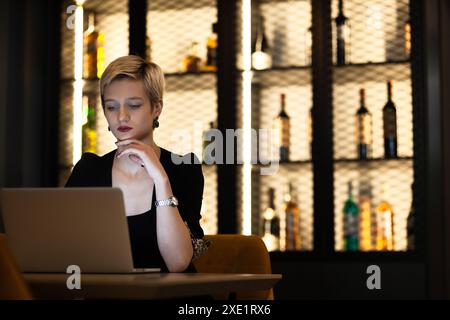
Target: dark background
{"points": [[29, 81]]}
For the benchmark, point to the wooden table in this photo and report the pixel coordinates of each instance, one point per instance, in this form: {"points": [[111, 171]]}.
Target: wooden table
{"points": [[146, 286]]}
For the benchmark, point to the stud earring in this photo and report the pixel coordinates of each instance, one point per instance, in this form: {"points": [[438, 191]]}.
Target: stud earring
{"points": [[109, 129], [155, 123]]}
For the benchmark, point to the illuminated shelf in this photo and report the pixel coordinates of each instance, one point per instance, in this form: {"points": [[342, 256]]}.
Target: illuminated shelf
{"points": [[287, 163], [284, 76], [174, 81], [371, 64], [189, 74], [373, 72], [373, 160]]}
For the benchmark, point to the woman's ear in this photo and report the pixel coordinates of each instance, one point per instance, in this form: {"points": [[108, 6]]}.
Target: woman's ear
{"points": [[158, 106]]}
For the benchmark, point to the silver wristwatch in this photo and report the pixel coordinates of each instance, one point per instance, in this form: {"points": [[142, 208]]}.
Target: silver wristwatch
{"points": [[171, 201]]}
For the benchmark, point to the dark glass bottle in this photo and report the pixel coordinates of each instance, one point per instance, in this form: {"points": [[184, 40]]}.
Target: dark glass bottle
{"points": [[211, 50], [410, 224], [342, 36], [363, 128], [283, 126], [292, 214], [271, 220], [310, 131], [390, 126], [350, 222]]}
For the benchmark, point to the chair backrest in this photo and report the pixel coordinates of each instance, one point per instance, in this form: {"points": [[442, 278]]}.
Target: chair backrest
{"points": [[12, 283], [235, 253]]}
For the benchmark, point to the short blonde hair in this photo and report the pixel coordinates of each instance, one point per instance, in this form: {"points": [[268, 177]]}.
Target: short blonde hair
{"points": [[134, 67]]}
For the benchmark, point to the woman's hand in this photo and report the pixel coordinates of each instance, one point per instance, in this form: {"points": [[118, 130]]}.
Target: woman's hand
{"points": [[142, 154]]}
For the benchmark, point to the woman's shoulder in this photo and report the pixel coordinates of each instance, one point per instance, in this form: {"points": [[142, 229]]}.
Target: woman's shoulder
{"points": [[87, 159], [94, 161], [85, 171]]}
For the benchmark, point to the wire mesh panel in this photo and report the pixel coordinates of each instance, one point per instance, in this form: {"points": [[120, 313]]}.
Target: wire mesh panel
{"points": [[175, 26], [104, 38], [375, 30], [181, 39], [287, 27], [280, 82], [372, 124], [113, 21]]}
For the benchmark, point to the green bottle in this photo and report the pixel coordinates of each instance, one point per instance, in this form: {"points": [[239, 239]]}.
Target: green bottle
{"points": [[350, 222]]}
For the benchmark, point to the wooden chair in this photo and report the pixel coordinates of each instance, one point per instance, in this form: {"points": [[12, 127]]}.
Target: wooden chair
{"points": [[235, 253], [12, 283]]}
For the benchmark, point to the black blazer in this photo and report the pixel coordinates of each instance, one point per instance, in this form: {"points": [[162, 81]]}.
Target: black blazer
{"points": [[187, 184]]}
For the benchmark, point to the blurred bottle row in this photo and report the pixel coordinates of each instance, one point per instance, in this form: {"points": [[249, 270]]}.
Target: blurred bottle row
{"points": [[363, 128], [281, 228], [368, 230], [261, 50], [94, 51], [364, 229]]}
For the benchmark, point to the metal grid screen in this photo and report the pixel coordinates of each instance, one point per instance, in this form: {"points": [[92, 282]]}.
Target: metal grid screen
{"points": [[285, 26], [376, 51], [190, 102], [111, 23]]}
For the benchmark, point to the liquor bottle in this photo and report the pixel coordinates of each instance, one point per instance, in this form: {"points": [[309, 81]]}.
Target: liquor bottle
{"points": [[211, 50], [94, 63], [363, 128], [292, 214], [89, 133], [410, 226], [342, 36], [350, 222], [365, 215], [192, 61], [271, 224], [310, 131], [385, 224], [308, 46], [390, 126], [261, 55], [283, 127], [407, 39], [209, 154]]}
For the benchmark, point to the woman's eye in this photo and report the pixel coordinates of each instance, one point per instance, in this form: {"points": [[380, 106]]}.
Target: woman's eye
{"points": [[135, 105], [110, 108]]}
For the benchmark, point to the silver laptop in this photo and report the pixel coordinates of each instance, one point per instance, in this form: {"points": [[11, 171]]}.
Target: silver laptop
{"points": [[50, 229]]}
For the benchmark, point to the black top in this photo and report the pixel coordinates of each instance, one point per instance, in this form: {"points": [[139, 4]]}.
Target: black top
{"points": [[187, 184]]}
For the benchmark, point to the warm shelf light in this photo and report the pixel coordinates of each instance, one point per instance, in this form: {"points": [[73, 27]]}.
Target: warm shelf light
{"points": [[247, 116], [78, 85]]}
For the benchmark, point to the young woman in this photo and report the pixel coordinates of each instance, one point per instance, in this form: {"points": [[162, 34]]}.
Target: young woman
{"points": [[162, 199]]}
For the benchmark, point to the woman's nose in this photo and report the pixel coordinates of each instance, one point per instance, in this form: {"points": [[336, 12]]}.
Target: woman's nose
{"points": [[123, 114]]}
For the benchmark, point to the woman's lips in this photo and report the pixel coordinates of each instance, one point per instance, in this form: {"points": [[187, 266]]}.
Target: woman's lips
{"points": [[124, 129]]}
